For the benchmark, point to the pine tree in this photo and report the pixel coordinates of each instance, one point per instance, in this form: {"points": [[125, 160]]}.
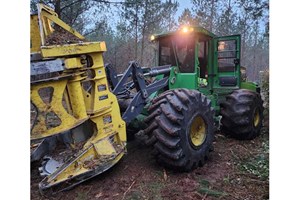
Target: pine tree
{"points": [[142, 18], [187, 18], [227, 20], [206, 13]]}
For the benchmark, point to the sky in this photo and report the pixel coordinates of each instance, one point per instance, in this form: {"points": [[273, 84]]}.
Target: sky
{"points": [[182, 5]]}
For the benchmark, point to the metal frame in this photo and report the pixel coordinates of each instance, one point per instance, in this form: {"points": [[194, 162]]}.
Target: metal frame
{"points": [[138, 82], [97, 131]]}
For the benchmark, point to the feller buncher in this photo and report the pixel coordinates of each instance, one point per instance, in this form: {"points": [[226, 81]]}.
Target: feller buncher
{"points": [[82, 107]]}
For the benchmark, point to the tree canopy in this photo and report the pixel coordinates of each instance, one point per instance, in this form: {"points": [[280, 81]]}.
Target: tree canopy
{"points": [[126, 25]]}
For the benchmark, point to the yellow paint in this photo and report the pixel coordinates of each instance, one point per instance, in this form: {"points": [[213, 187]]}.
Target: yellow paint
{"points": [[98, 104], [198, 131], [73, 63], [35, 39], [76, 169], [256, 118], [76, 99], [67, 120], [47, 17], [95, 156], [104, 147], [72, 49], [62, 24]]}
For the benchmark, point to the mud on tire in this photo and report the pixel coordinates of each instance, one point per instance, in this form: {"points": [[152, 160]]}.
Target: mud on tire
{"points": [[174, 128], [242, 114]]}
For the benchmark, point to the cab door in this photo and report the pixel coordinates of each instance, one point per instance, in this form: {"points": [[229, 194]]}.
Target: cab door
{"points": [[227, 61]]}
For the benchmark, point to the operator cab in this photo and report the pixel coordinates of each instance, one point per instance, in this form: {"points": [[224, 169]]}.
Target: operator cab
{"points": [[177, 51], [200, 58]]}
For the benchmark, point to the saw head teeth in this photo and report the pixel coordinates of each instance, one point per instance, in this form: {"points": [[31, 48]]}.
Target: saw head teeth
{"points": [[48, 166], [43, 175], [42, 172], [46, 158]]}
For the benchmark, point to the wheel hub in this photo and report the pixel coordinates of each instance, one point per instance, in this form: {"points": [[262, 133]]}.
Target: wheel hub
{"points": [[256, 117], [198, 131]]}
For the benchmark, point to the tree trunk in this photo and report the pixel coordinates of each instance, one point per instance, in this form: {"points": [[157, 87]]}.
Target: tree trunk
{"points": [[145, 21], [136, 30], [255, 52], [212, 13], [57, 8]]}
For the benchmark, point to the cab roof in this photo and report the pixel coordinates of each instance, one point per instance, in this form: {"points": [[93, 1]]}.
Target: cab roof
{"points": [[186, 29]]}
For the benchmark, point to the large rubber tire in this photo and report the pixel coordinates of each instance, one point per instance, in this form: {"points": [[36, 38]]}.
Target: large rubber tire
{"points": [[242, 114], [172, 114]]}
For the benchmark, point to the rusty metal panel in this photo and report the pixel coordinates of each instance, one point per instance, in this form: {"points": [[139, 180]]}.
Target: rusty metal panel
{"points": [[44, 67]]}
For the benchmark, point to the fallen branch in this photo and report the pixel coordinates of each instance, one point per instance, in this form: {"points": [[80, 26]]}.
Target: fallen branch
{"points": [[128, 189], [257, 181], [251, 153], [250, 177], [204, 196]]}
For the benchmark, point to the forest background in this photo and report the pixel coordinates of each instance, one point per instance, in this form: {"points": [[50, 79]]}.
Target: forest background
{"points": [[126, 25]]}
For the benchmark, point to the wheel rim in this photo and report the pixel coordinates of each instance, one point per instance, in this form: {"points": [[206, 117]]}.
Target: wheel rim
{"points": [[256, 117], [198, 131]]}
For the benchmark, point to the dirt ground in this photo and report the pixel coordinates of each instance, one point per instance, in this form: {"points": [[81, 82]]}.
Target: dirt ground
{"points": [[235, 170]]}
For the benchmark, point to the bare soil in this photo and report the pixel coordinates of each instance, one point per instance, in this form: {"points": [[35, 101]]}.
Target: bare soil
{"points": [[138, 176]]}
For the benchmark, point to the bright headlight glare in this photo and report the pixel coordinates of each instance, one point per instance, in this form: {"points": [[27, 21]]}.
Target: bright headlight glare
{"points": [[185, 29]]}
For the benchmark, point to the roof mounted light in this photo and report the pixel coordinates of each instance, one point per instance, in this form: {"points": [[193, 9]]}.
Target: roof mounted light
{"points": [[152, 38], [186, 29]]}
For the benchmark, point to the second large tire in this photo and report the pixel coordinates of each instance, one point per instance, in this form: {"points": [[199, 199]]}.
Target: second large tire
{"points": [[181, 124], [242, 114]]}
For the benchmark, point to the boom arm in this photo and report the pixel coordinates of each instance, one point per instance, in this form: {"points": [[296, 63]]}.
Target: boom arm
{"points": [[139, 83]]}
